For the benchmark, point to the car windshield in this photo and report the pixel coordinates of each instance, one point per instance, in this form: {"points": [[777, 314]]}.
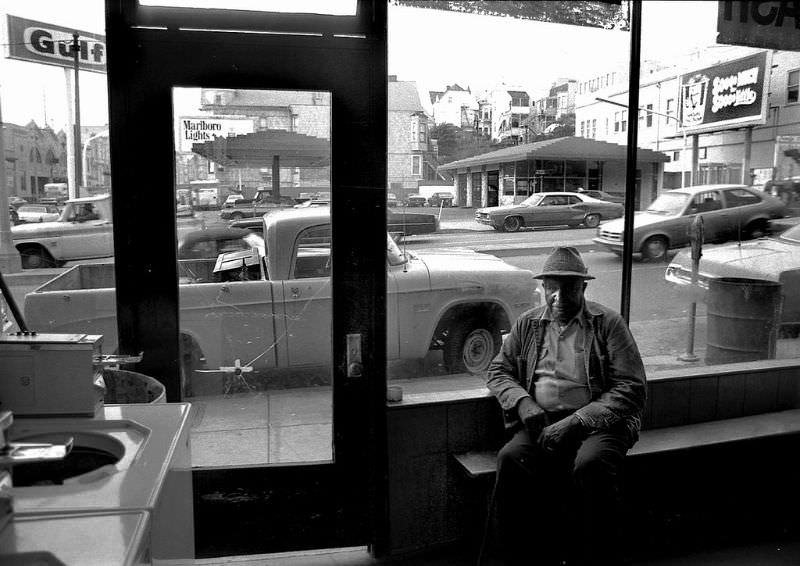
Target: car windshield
{"points": [[532, 200], [792, 234], [394, 255], [669, 204]]}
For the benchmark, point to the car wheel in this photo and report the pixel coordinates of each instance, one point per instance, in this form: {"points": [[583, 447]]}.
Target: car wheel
{"points": [[756, 229], [655, 249], [470, 348], [512, 224], [591, 220], [34, 257]]}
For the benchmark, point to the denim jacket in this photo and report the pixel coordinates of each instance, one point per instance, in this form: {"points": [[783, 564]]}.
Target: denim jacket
{"points": [[614, 367]]}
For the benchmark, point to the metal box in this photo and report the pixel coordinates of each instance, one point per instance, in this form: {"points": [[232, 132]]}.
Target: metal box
{"points": [[51, 374]]}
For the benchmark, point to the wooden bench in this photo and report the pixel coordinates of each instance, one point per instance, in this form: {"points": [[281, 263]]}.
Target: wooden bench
{"points": [[477, 464]]}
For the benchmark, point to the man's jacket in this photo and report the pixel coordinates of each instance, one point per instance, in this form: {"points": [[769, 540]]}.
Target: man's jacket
{"points": [[613, 366]]}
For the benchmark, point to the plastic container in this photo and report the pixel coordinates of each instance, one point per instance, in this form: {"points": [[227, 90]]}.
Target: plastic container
{"points": [[743, 319], [123, 387]]}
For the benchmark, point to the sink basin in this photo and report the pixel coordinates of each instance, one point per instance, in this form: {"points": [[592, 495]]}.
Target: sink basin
{"points": [[90, 455]]}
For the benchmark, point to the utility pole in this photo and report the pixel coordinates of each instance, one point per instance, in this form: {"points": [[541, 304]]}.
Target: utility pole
{"points": [[76, 49]]}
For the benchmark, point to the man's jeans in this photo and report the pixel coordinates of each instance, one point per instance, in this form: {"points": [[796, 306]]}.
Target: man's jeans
{"points": [[551, 506]]}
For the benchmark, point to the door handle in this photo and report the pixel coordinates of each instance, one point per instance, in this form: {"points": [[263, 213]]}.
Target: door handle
{"points": [[225, 289], [354, 366], [295, 292]]}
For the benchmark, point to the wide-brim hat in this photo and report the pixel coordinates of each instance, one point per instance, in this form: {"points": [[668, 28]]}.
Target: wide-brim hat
{"points": [[564, 261]]}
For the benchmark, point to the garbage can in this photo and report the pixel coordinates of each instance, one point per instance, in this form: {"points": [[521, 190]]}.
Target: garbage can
{"points": [[123, 386], [743, 319]]}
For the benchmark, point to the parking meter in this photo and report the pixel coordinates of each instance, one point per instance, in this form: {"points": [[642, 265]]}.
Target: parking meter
{"points": [[696, 237]]}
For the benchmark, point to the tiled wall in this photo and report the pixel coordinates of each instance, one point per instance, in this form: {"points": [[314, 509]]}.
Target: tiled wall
{"points": [[429, 499]]}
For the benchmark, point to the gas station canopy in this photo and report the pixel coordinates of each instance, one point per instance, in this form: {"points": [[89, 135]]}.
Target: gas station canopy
{"points": [[259, 149]]}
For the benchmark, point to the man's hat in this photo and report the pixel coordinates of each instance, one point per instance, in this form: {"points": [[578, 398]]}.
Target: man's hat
{"points": [[564, 262]]}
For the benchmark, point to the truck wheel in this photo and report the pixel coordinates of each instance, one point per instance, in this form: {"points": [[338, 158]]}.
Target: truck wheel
{"points": [[470, 347], [35, 257]]}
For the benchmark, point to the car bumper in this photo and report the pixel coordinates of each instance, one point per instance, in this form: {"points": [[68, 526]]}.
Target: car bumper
{"points": [[610, 245], [486, 221]]}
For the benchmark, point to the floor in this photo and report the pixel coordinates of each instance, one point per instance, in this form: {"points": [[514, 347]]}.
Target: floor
{"points": [[766, 554]]}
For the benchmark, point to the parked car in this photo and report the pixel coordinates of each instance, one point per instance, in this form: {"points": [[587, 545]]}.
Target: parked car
{"points": [[411, 223], [38, 213], [441, 198], [231, 200], [416, 200], [209, 243], [788, 190], [549, 209], [391, 199], [403, 223], [729, 211], [602, 195], [16, 201], [774, 258]]}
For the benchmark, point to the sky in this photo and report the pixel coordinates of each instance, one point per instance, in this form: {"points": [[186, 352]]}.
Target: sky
{"points": [[435, 49]]}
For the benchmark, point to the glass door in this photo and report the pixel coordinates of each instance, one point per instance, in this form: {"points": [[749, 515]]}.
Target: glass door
{"points": [[265, 160]]}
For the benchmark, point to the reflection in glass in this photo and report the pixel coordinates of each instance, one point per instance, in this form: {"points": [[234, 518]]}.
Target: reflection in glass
{"points": [[253, 188]]}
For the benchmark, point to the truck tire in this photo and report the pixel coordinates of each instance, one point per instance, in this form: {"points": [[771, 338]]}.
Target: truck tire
{"points": [[470, 346], [36, 257]]}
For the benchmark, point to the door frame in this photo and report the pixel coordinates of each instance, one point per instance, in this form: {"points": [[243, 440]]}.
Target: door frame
{"points": [[248, 510]]}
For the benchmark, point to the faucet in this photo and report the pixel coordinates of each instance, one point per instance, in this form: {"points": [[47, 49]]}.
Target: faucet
{"points": [[12, 453]]}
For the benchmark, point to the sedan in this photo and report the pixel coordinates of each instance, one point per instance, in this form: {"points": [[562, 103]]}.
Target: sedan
{"points": [[411, 223], [209, 243], [416, 200], [549, 209], [38, 213], [602, 195], [775, 258], [441, 199], [729, 211]]}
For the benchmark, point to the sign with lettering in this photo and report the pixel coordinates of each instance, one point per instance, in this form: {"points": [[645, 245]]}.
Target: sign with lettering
{"points": [[200, 129], [769, 25], [37, 42], [731, 94]]}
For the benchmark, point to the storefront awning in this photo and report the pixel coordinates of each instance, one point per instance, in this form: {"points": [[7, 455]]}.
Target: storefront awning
{"points": [[569, 147], [260, 148]]}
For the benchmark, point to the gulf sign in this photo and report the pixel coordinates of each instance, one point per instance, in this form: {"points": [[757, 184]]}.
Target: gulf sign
{"points": [[728, 95], [38, 42]]}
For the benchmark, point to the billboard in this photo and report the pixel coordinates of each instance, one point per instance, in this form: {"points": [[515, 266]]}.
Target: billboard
{"points": [[38, 42], [728, 95], [198, 129]]}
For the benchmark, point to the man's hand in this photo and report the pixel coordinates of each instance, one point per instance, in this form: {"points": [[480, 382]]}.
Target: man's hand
{"points": [[562, 433], [532, 416]]}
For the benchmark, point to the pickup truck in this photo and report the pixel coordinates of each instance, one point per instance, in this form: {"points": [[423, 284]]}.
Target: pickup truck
{"points": [[261, 203], [274, 316], [84, 230]]}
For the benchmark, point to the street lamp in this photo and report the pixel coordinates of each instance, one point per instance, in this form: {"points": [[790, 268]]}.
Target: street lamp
{"points": [[680, 125], [83, 154]]}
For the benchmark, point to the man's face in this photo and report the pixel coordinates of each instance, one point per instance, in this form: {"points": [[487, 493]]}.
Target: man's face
{"points": [[564, 296]]}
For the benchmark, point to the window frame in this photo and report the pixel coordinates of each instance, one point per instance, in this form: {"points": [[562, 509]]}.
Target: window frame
{"points": [[793, 89]]}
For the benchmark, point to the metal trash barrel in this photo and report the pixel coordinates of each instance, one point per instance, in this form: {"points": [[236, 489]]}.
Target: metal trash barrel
{"points": [[123, 386], [743, 319]]}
